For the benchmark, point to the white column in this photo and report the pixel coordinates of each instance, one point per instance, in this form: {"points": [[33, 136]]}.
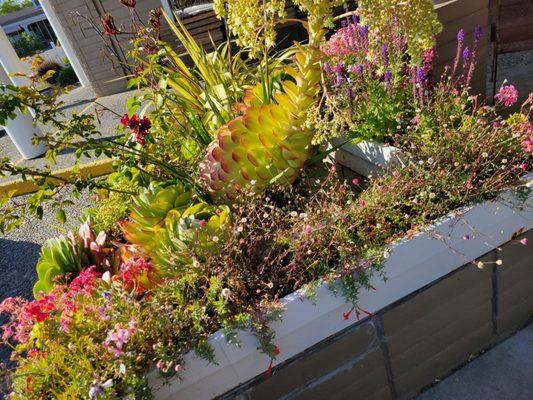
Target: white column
{"points": [[11, 61], [21, 129], [167, 8], [65, 43]]}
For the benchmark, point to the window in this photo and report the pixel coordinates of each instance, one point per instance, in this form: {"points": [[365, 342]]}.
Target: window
{"points": [[43, 30]]}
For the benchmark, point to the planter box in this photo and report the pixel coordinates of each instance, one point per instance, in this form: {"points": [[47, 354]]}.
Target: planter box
{"points": [[433, 311], [367, 157]]}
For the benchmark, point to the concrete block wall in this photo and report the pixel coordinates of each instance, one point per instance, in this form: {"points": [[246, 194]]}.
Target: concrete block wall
{"points": [[414, 342]]}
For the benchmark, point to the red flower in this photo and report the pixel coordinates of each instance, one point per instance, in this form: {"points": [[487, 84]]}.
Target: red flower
{"points": [[139, 126], [108, 25], [125, 120], [137, 275], [128, 3]]}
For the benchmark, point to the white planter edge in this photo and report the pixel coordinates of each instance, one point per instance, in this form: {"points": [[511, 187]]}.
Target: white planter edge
{"points": [[412, 264], [367, 158]]}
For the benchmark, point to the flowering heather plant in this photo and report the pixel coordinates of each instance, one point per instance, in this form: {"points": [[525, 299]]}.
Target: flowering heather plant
{"points": [[369, 95], [185, 265], [508, 95]]}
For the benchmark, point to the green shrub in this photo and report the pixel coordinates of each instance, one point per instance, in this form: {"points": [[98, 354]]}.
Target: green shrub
{"points": [[66, 76], [28, 44]]}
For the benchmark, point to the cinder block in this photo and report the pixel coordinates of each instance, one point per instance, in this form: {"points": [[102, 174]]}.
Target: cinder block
{"points": [[364, 378], [515, 285], [435, 331], [352, 363]]}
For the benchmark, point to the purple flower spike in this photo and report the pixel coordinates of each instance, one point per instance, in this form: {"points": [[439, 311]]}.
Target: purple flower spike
{"points": [[327, 67], [466, 54], [364, 31], [388, 76], [359, 69], [461, 36], [339, 70], [385, 54], [478, 33], [420, 76], [349, 94]]}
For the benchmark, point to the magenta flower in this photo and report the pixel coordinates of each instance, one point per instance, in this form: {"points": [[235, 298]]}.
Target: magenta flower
{"points": [[508, 95]]}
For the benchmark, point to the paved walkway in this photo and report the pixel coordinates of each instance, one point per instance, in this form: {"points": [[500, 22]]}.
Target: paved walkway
{"points": [[503, 373], [77, 100]]}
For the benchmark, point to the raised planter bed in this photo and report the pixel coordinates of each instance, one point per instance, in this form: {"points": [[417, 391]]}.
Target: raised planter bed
{"points": [[435, 308], [367, 158]]}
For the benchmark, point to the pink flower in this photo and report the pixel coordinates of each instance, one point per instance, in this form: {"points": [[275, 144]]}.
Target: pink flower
{"points": [[117, 338], [469, 185], [466, 237], [508, 95], [527, 145], [137, 274], [524, 241], [355, 181], [84, 283]]}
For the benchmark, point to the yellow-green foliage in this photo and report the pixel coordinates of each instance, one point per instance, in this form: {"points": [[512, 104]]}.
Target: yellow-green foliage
{"points": [[416, 19], [253, 22], [149, 211], [174, 228], [270, 143]]}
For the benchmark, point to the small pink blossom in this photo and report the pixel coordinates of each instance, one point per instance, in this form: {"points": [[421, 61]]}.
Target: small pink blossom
{"points": [[466, 237], [118, 337], [527, 145], [524, 241], [355, 181], [508, 95]]}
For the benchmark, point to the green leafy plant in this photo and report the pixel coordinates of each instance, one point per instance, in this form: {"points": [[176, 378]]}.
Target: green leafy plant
{"points": [[59, 257], [48, 70], [28, 44], [66, 76], [64, 257], [149, 211]]}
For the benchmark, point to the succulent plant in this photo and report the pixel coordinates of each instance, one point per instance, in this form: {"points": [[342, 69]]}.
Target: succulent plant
{"points": [[149, 211], [68, 255], [59, 257], [189, 236], [166, 220], [271, 142]]}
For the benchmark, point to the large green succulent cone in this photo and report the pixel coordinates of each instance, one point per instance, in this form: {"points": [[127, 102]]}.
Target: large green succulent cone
{"points": [[269, 143]]}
